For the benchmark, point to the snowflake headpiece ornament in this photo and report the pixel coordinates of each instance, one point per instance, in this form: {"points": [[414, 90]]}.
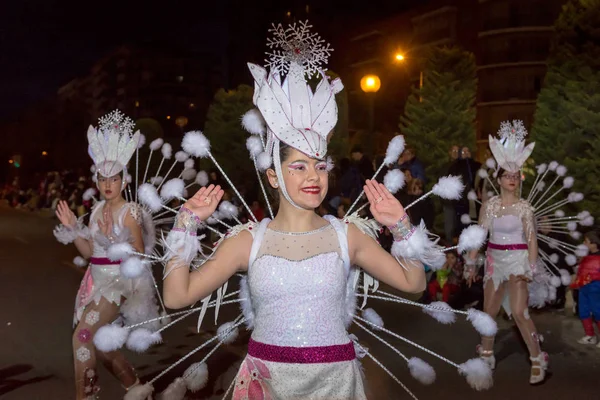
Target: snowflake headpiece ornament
{"points": [[113, 143], [509, 148]]}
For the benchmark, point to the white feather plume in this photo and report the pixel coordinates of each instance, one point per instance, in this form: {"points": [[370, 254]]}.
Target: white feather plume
{"points": [[571, 260], [172, 189], [478, 373], [131, 268], [227, 333], [482, 322], [264, 161], [253, 122], [246, 303], [572, 226], [93, 169], [156, 180], [110, 337], [472, 195], [142, 141], [465, 219], [587, 221], [553, 165], [371, 315], [167, 151], [394, 149], [228, 210], [181, 156], [561, 170], [421, 371], [202, 178], [89, 194], [555, 281], [196, 376], [542, 168], [482, 173], [471, 238], [139, 392], [449, 187], [565, 277], [490, 163], [189, 163], [156, 144], [148, 196], [568, 182], [80, 261], [175, 391], [559, 213], [394, 180], [141, 339], [554, 258], [254, 146], [188, 174], [119, 251], [582, 250], [330, 165], [444, 317], [196, 144]]}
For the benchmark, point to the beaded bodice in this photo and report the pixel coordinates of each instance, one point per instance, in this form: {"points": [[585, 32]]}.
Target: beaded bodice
{"points": [[297, 284]]}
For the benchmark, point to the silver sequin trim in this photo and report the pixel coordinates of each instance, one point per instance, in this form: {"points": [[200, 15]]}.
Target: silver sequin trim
{"points": [[321, 229]]}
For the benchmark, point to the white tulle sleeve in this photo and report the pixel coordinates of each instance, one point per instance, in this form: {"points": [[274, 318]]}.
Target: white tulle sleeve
{"points": [[182, 243]]}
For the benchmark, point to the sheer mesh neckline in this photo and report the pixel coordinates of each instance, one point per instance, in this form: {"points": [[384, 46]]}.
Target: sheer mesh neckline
{"points": [[299, 233]]}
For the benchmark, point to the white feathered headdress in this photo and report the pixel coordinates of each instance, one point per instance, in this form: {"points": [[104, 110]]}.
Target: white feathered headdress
{"points": [[112, 144], [509, 148]]}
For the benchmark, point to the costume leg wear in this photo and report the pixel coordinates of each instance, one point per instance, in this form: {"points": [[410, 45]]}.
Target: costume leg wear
{"points": [[86, 355]]}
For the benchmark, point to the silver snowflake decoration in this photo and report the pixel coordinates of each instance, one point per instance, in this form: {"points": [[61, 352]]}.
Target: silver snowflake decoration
{"points": [[296, 44], [92, 318], [116, 120], [514, 130], [83, 354]]}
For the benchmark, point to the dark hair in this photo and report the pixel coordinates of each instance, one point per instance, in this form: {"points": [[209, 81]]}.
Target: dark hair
{"points": [[593, 237], [356, 149]]}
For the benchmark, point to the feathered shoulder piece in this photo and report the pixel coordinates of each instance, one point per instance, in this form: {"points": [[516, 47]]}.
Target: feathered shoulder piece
{"points": [[367, 226], [509, 148]]}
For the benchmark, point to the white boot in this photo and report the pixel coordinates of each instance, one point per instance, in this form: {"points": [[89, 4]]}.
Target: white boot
{"points": [[539, 364], [487, 356]]}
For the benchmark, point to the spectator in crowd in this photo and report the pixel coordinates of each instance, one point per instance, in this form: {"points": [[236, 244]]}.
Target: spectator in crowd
{"points": [[423, 210], [408, 160], [450, 221], [447, 279], [466, 168], [362, 163]]}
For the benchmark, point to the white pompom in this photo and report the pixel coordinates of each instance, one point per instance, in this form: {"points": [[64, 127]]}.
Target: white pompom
{"points": [[142, 141], [196, 144], [264, 161], [571, 260], [561, 170], [540, 186], [188, 174], [394, 180], [568, 182], [554, 258], [196, 376], [559, 213], [449, 187], [175, 391], [552, 166], [472, 195], [128, 178], [202, 178], [421, 371], [490, 163], [110, 337], [394, 149], [119, 251], [490, 194], [465, 219], [588, 221], [227, 210], [95, 179], [541, 168], [172, 189], [181, 156], [80, 261], [156, 180], [189, 163], [565, 277], [572, 226], [371, 315], [482, 173], [139, 392], [471, 238], [253, 122], [583, 214], [227, 333], [330, 165], [141, 339], [555, 281], [482, 322], [156, 144], [132, 267], [442, 316], [575, 235], [165, 318], [478, 373], [552, 293], [93, 169], [167, 150], [89, 194], [254, 146], [582, 250], [148, 196]]}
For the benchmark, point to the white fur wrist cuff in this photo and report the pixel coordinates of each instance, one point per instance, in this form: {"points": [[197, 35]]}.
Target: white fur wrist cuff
{"points": [[181, 244], [420, 247], [67, 235]]}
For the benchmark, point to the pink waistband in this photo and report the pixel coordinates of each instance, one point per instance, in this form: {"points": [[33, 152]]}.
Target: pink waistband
{"points": [[301, 355], [520, 246], [103, 261]]}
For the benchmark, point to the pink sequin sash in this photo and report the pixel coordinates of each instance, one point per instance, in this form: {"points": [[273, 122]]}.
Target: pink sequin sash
{"points": [[103, 261], [520, 246], [301, 355]]}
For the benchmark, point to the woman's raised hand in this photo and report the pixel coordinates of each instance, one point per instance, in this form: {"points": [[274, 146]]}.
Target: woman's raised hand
{"points": [[386, 209], [65, 215], [204, 203]]}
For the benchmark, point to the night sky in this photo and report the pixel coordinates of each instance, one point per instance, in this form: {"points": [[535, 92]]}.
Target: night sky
{"points": [[46, 43]]}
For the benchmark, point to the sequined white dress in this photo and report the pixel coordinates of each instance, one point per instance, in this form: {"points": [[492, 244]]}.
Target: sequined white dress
{"points": [[299, 347]]}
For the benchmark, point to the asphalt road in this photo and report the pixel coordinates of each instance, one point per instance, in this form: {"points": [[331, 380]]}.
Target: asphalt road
{"points": [[38, 283]]}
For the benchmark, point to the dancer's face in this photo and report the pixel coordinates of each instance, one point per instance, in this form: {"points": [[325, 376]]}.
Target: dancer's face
{"points": [[509, 181], [110, 188], [305, 179]]}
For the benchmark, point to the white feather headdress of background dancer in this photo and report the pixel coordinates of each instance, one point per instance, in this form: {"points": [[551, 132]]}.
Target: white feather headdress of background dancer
{"points": [[509, 148], [112, 145]]}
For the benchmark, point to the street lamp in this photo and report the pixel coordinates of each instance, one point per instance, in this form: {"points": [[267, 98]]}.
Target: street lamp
{"points": [[399, 57], [370, 84], [44, 153]]}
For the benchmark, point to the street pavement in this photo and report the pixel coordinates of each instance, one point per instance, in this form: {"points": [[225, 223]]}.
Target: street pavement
{"points": [[38, 282]]}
